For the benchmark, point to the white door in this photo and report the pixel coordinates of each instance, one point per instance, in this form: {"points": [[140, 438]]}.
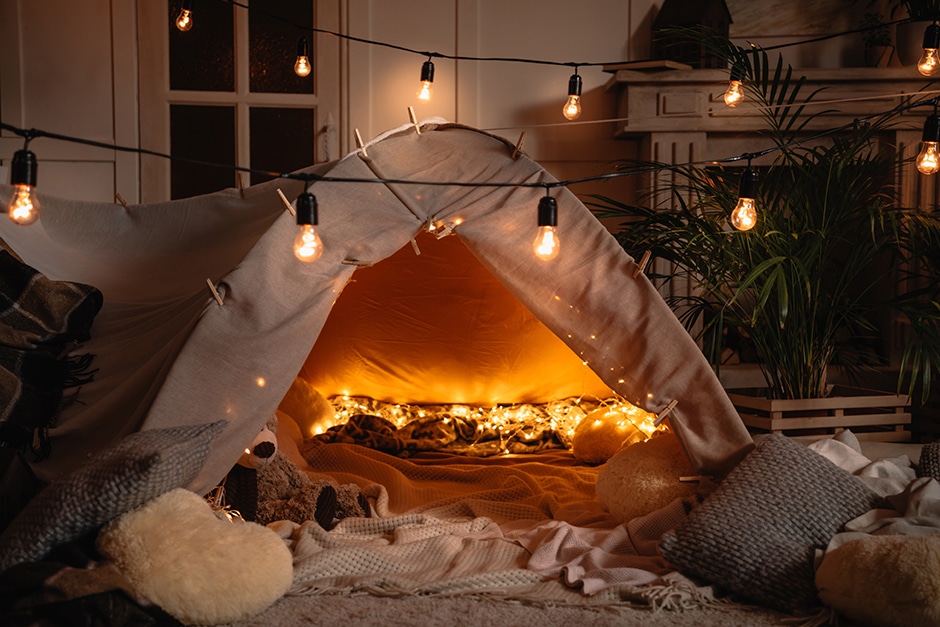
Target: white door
{"points": [[225, 92]]}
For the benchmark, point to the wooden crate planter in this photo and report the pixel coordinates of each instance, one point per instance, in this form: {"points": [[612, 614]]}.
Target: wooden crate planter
{"points": [[869, 414]]}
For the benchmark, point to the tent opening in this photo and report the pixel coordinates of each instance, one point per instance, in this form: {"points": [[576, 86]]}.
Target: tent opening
{"points": [[438, 327]]}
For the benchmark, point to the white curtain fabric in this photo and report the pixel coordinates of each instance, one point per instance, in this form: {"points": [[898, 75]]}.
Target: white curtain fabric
{"points": [[168, 354]]}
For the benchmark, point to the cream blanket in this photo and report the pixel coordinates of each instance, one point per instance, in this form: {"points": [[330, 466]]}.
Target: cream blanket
{"points": [[525, 530]]}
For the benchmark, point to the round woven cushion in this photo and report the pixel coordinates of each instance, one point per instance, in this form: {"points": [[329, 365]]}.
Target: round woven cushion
{"points": [[884, 580]]}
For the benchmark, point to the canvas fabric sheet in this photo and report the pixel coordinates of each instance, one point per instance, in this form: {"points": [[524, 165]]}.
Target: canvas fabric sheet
{"points": [[169, 355]]}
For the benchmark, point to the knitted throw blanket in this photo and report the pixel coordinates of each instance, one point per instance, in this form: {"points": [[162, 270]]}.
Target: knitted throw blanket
{"points": [[41, 321]]}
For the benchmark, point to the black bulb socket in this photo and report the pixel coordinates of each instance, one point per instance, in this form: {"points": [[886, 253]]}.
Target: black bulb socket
{"points": [[306, 209], [548, 211], [931, 128], [427, 72], [748, 188], [932, 37], [23, 168], [574, 85]]}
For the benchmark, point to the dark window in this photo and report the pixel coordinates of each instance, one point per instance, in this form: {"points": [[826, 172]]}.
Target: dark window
{"points": [[203, 133]]}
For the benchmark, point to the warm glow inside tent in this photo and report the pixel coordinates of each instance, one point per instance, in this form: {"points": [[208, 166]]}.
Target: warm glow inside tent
{"points": [[474, 318]]}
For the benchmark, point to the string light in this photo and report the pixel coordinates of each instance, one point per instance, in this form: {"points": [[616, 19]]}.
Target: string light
{"points": [[184, 21], [744, 216], [23, 207], [545, 245], [735, 94], [307, 245], [572, 108], [302, 67], [928, 161], [929, 63], [427, 78]]}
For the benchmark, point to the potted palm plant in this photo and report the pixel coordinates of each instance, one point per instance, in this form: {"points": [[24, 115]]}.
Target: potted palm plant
{"points": [[802, 290]]}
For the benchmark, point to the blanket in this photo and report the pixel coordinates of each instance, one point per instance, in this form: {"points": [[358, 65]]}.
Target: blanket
{"points": [[41, 321]]}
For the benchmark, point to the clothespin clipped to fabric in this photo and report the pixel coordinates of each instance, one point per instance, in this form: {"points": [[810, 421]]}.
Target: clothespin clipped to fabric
{"points": [[640, 267], [518, 149], [665, 412], [414, 119], [287, 205], [414, 245], [357, 263], [215, 292], [361, 144], [120, 199], [444, 232], [240, 183]]}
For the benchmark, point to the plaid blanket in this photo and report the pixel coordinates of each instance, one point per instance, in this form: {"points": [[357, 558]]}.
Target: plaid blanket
{"points": [[41, 322]]}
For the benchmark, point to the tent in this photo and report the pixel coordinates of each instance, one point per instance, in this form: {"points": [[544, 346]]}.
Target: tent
{"points": [[170, 352]]}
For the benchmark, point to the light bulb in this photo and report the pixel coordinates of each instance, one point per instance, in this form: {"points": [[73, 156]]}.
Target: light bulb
{"points": [[23, 207], [302, 66], [572, 108], [744, 216], [929, 63], [545, 245], [307, 245], [928, 161], [184, 21], [734, 94], [427, 78]]}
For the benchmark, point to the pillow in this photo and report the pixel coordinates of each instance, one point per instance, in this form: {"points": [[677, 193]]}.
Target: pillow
{"points": [[757, 533], [198, 567], [139, 468], [884, 580]]}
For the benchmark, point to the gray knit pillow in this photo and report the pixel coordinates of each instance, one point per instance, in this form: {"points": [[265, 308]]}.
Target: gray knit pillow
{"points": [[756, 534], [929, 464], [139, 468]]}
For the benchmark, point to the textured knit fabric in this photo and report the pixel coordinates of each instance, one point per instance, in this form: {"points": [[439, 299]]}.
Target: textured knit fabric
{"points": [[929, 465], [141, 467], [39, 321], [757, 533]]}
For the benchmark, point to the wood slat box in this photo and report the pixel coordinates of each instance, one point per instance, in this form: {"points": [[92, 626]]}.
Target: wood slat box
{"points": [[869, 414]]}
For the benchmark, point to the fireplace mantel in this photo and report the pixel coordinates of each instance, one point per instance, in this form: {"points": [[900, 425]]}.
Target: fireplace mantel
{"points": [[679, 116]]}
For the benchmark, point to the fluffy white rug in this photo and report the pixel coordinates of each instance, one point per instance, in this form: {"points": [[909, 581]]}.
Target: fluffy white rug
{"points": [[199, 568]]}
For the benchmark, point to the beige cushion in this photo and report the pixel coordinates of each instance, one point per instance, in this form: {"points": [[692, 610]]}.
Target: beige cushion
{"points": [[884, 580]]}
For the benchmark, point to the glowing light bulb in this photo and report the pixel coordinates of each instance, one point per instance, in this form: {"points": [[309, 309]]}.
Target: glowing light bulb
{"points": [[572, 108], [928, 161], [23, 207], [427, 78], [734, 94], [545, 245], [184, 21], [929, 63], [302, 66], [744, 215], [307, 245]]}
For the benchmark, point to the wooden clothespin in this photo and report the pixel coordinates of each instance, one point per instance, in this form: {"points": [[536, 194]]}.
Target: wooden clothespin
{"points": [[444, 232], [640, 267], [215, 292], [286, 202], [665, 412], [357, 263], [240, 183], [518, 149], [414, 119], [120, 199], [361, 145], [414, 245]]}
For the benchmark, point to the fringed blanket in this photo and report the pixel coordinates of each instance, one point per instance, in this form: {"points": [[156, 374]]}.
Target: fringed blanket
{"points": [[41, 321]]}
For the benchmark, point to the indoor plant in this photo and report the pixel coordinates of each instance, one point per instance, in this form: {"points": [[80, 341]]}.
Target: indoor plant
{"points": [[804, 290]]}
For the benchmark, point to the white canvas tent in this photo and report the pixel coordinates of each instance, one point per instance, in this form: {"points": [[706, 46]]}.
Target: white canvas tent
{"points": [[167, 353]]}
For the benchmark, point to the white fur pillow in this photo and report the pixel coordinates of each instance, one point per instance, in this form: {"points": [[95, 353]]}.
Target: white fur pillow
{"points": [[197, 567]]}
